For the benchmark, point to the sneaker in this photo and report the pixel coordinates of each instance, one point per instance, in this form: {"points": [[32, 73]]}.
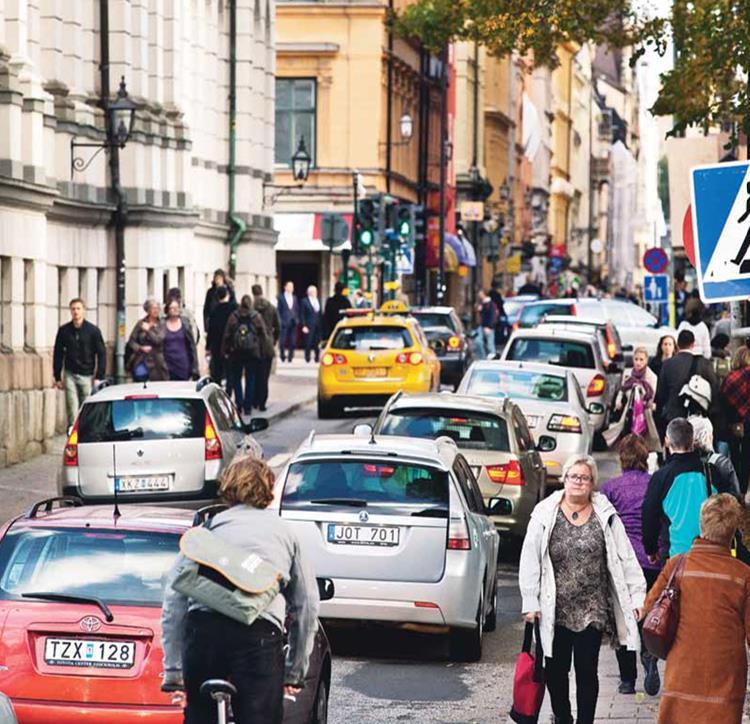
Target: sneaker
{"points": [[626, 687], [652, 682]]}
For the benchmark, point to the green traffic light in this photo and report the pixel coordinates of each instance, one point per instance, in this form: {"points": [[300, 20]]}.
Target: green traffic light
{"points": [[404, 229], [365, 237]]}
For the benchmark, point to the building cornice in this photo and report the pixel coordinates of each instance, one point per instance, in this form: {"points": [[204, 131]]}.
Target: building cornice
{"points": [[17, 193], [307, 48]]}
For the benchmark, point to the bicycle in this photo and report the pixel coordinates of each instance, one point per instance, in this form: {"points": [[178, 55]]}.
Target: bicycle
{"points": [[219, 690]]}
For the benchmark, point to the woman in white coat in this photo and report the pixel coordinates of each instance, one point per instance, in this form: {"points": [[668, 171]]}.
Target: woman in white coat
{"points": [[580, 576]]}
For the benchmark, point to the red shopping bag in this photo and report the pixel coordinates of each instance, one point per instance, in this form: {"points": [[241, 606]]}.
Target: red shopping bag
{"points": [[528, 681]]}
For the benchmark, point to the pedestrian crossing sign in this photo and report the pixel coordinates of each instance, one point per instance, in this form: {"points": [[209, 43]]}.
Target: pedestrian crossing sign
{"points": [[655, 288], [721, 226]]}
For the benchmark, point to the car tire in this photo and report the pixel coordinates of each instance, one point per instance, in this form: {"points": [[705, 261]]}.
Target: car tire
{"points": [[466, 643], [326, 410], [490, 620], [320, 706]]}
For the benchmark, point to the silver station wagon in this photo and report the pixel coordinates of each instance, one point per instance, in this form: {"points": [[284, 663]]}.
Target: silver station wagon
{"points": [[398, 526]]}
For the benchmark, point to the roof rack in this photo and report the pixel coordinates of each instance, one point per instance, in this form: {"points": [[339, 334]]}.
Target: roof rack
{"points": [[202, 382], [207, 512], [64, 501]]}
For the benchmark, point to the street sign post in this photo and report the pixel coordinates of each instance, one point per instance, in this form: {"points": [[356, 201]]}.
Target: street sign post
{"points": [[656, 288], [334, 230], [721, 229], [656, 260], [405, 261]]}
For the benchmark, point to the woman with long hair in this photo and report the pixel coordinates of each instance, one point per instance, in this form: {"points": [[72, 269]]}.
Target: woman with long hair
{"points": [[146, 346], [664, 350]]}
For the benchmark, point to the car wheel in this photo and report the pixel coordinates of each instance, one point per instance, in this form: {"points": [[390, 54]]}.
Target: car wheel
{"points": [[466, 643], [326, 410], [490, 621], [320, 707]]}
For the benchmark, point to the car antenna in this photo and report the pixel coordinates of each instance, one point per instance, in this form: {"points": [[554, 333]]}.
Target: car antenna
{"points": [[116, 514], [372, 436]]}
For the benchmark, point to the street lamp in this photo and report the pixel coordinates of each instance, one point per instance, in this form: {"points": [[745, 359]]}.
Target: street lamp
{"points": [[406, 126], [301, 162]]}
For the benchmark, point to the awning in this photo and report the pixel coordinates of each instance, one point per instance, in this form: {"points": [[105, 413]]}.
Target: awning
{"points": [[450, 259], [301, 232], [463, 250]]}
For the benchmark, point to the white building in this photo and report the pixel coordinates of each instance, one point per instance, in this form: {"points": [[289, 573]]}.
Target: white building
{"points": [[56, 239]]}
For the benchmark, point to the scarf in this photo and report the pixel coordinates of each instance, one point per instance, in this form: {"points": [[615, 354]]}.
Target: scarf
{"points": [[639, 379]]}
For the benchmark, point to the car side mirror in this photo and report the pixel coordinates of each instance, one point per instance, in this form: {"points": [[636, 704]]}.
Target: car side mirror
{"points": [[326, 589], [619, 357], [546, 444], [362, 430], [627, 348], [256, 424], [499, 506], [613, 368], [595, 408]]}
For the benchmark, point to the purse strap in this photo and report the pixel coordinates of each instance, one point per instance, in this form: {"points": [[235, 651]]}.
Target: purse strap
{"points": [[709, 478], [532, 631], [675, 578]]}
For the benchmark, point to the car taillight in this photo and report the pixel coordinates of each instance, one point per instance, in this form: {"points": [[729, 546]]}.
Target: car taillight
{"points": [[328, 359], [458, 535], [509, 473], [596, 387], [454, 342], [516, 325], [212, 442], [564, 423], [70, 453], [412, 358], [611, 345], [573, 310]]}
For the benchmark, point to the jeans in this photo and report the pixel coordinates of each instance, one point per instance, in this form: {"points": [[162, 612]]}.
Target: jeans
{"points": [[261, 382], [627, 660], [488, 337], [248, 368], [288, 340], [251, 657], [583, 648], [77, 389]]}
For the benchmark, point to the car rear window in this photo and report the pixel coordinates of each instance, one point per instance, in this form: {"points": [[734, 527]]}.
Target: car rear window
{"points": [[373, 482], [433, 319], [372, 338], [158, 418], [518, 384], [532, 314], [565, 353], [473, 430], [127, 567]]}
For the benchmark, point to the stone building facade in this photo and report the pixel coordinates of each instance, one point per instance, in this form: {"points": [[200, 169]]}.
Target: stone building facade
{"points": [[56, 239]]}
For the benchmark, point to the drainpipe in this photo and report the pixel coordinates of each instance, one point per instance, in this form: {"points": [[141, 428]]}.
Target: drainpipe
{"points": [[238, 225], [389, 103]]}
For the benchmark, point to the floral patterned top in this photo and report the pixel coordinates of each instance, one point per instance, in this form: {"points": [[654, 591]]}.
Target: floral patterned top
{"points": [[579, 557]]}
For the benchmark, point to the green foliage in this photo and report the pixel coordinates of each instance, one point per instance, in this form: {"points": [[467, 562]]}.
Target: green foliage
{"points": [[663, 185]]}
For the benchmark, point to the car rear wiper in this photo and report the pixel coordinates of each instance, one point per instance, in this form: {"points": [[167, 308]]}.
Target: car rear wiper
{"points": [[354, 502], [70, 598], [431, 513]]}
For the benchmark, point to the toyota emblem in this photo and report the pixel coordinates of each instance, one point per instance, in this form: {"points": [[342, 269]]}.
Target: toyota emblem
{"points": [[363, 516], [89, 624]]}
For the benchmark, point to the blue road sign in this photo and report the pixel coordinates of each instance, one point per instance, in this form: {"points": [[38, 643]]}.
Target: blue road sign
{"points": [[405, 262], [721, 226], [656, 260], [656, 288]]}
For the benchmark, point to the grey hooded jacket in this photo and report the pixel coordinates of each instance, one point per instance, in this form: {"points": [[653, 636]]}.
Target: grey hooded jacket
{"points": [[265, 533]]}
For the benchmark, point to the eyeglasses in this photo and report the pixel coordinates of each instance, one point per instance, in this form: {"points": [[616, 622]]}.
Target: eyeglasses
{"points": [[579, 478]]}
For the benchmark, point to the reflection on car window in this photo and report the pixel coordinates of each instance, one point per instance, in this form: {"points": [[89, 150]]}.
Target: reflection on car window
{"points": [[468, 429], [376, 482], [564, 353], [532, 314], [433, 319], [118, 567], [372, 338], [518, 384]]}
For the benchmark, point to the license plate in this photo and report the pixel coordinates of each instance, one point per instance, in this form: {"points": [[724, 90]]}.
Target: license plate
{"points": [[370, 371], [532, 420], [363, 535], [136, 484], [90, 653]]}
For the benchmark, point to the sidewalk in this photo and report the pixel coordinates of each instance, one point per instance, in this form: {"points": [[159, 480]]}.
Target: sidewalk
{"points": [[292, 386]]}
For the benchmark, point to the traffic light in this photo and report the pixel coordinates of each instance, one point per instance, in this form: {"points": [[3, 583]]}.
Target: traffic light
{"points": [[405, 223], [368, 223], [419, 224]]}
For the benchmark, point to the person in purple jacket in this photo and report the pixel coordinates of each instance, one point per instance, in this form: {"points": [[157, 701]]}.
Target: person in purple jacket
{"points": [[626, 493]]}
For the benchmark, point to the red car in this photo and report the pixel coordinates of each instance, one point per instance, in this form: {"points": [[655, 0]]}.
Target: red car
{"points": [[80, 609]]}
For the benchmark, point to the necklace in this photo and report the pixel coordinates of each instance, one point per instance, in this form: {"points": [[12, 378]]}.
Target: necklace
{"points": [[575, 513]]}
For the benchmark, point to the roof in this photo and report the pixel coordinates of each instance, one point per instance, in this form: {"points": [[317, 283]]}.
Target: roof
{"points": [[449, 401], [552, 332], [368, 320], [162, 389], [538, 367], [132, 517], [559, 302], [432, 310]]}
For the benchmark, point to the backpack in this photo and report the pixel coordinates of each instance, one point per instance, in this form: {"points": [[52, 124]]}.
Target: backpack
{"points": [[695, 395], [246, 341]]}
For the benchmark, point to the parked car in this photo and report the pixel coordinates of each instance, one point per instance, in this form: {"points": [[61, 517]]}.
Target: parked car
{"points": [[158, 441], [80, 600], [447, 336], [551, 401], [600, 381], [399, 526], [492, 435]]}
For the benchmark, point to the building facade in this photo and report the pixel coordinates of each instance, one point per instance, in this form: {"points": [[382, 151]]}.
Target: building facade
{"points": [[56, 237]]}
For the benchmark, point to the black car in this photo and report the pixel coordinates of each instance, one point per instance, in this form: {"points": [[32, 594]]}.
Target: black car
{"points": [[446, 335]]}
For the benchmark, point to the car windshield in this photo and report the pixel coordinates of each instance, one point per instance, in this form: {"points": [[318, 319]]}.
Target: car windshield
{"points": [[532, 314], [374, 482], [434, 319], [372, 338], [517, 384], [126, 567], [472, 430], [145, 418], [565, 353]]}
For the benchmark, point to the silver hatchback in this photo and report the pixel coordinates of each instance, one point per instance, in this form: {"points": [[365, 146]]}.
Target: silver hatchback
{"points": [[398, 525], [160, 441]]}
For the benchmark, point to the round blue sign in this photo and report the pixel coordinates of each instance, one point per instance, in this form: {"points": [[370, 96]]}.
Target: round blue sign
{"points": [[656, 260]]}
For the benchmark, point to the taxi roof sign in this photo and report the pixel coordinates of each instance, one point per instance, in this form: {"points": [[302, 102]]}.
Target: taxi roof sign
{"points": [[394, 306]]}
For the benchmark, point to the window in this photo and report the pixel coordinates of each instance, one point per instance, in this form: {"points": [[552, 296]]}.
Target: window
{"points": [[517, 384], [295, 118], [532, 314], [373, 338], [435, 319], [564, 353]]}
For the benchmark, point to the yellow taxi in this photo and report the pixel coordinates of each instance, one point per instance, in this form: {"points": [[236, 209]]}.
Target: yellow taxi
{"points": [[370, 355]]}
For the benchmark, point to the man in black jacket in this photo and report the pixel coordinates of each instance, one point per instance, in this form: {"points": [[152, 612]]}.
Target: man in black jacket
{"points": [[273, 325], [334, 306], [79, 358], [217, 322]]}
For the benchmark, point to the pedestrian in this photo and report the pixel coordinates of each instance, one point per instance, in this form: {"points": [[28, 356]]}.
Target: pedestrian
{"points": [[180, 352], [359, 301], [200, 643], [675, 494], [79, 358], [723, 324], [681, 297], [580, 577], [626, 492], [530, 287], [719, 468], [502, 320], [312, 320], [185, 312], [487, 320], [219, 280], [694, 323], [217, 323], [273, 330], [334, 306], [705, 680], [146, 346], [289, 316], [735, 396], [664, 350], [242, 345]]}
